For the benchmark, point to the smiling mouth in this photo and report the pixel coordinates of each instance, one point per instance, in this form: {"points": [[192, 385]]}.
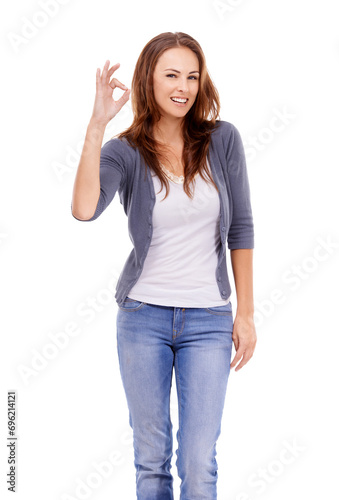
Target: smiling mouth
{"points": [[180, 104], [180, 101]]}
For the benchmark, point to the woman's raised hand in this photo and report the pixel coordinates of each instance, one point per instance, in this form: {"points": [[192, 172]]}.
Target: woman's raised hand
{"points": [[105, 107]]}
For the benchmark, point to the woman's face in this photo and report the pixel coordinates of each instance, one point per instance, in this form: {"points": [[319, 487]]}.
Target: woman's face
{"points": [[176, 75]]}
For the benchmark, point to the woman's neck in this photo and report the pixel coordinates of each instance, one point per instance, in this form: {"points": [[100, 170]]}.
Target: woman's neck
{"points": [[168, 133]]}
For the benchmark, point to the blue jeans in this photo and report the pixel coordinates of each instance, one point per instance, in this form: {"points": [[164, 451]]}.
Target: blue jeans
{"points": [[151, 339]]}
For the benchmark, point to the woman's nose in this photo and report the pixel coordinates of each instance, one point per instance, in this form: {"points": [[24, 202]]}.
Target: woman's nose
{"points": [[182, 85]]}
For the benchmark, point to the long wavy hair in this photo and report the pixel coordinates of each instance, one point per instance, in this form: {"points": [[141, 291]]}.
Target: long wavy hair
{"points": [[197, 125]]}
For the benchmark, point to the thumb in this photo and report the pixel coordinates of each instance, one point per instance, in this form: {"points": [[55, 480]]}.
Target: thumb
{"points": [[123, 99]]}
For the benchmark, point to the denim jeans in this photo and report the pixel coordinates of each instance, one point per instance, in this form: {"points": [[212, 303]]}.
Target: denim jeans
{"points": [[151, 340]]}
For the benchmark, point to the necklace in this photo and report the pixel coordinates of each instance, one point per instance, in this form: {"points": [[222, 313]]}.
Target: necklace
{"points": [[178, 179]]}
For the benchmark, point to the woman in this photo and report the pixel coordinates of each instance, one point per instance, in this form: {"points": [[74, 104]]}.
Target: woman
{"points": [[173, 292]]}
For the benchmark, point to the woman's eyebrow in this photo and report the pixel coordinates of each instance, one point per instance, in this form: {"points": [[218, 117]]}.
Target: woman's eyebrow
{"points": [[171, 69]]}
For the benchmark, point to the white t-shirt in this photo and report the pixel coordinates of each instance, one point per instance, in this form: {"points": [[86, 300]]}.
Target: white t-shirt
{"points": [[180, 266]]}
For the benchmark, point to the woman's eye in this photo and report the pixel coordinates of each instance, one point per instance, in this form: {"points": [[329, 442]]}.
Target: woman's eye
{"points": [[195, 78]]}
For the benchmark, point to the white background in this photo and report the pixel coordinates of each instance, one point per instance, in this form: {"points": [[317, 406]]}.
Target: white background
{"points": [[267, 59]]}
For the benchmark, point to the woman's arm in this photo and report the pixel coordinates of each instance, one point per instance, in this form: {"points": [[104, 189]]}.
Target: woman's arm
{"points": [[241, 244], [86, 189], [244, 334], [242, 265]]}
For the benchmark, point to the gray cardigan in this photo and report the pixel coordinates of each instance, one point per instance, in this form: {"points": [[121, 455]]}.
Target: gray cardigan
{"points": [[122, 169]]}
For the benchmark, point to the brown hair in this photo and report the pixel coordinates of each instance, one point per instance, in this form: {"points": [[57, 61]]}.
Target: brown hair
{"points": [[196, 127]]}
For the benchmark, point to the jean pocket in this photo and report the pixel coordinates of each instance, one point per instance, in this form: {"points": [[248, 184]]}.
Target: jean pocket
{"points": [[131, 304], [223, 310]]}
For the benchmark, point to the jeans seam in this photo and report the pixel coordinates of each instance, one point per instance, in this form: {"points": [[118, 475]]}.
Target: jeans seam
{"points": [[182, 326], [180, 409], [183, 322], [218, 313], [132, 309]]}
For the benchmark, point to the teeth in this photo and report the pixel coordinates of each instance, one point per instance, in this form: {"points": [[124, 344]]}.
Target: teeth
{"points": [[178, 100]]}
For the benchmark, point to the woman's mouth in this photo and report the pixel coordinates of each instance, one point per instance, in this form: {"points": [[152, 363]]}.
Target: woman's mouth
{"points": [[179, 101]]}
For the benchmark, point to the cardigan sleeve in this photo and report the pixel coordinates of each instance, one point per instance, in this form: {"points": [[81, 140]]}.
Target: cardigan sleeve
{"points": [[112, 176], [241, 229]]}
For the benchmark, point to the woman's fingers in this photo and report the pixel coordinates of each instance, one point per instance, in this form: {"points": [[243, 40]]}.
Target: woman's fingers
{"points": [[123, 99], [116, 83], [97, 78], [237, 357], [106, 75], [104, 71], [108, 72], [244, 350], [112, 69], [105, 106]]}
